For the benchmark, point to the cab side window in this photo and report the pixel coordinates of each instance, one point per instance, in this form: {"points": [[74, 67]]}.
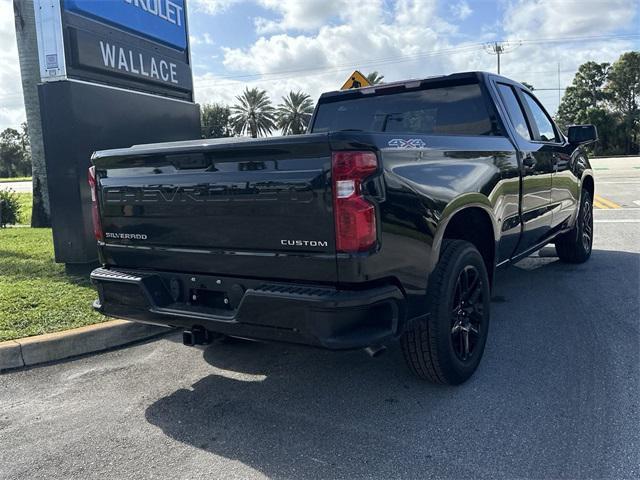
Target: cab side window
{"points": [[515, 111], [545, 126]]}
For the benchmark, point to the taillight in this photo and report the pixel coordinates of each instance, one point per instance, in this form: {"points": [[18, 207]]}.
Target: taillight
{"points": [[93, 186], [355, 217]]}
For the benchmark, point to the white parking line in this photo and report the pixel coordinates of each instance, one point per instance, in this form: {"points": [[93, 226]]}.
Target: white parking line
{"points": [[630, 182], [637, 202], [622, 209], [619, 220]]}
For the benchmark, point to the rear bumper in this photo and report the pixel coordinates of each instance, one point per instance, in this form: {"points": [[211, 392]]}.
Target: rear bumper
{"points": [[308, 314]]}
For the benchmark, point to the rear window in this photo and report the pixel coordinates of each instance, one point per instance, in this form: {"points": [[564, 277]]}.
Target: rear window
{"points": [[455, 110]]}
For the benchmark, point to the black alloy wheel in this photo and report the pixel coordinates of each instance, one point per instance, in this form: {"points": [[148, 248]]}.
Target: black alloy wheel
{"points": [[575, 246], [587, 225], [467, 314]]}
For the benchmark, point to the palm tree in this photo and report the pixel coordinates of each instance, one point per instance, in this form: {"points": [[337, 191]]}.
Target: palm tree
{"points": [[374, 78], [294, 113], [253, 114], [25, 23]]}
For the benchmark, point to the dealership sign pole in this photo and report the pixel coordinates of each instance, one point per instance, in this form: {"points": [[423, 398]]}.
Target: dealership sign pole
{"points": [[108, 70]]}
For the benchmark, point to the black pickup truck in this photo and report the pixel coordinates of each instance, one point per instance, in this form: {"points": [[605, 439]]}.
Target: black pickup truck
{"points": [[386, 221]]}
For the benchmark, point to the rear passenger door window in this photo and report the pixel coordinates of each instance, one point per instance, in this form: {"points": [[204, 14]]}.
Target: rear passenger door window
{"points": [[514, 109], [546, 132]]}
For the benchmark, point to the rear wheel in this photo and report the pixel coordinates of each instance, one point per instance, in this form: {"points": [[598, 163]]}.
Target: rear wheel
{"points": [[447, 344], [575, 245]]}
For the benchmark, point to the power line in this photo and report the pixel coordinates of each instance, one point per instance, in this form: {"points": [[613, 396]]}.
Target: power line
{"points": [[500, 48], [579, 38], [361, 63], [406, 58]]}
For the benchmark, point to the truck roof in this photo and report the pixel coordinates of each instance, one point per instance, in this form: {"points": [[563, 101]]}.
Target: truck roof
{"points": [[412, 83]]}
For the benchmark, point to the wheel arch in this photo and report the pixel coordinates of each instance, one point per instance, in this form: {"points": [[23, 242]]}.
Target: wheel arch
{"points": [[470, 210], [588, 184]]}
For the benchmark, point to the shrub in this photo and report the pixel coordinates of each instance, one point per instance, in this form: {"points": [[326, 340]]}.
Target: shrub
{"points": [[9, 208]]}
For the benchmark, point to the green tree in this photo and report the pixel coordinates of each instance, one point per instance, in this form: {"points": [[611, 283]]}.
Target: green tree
{"points": [[374, 78], [294, 113], [15, 160], [586, 91], [608, 97], [24, 137], [253, 114], [610, 136], [9, 208], [215, 121], [623, 92]]}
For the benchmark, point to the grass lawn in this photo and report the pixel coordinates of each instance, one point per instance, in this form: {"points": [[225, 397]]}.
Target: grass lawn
{"points": [[36, 296], [26, 201], [15, 179]]}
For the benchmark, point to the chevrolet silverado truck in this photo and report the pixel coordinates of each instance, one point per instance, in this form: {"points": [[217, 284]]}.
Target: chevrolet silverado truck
{"points": [[385, 222]]}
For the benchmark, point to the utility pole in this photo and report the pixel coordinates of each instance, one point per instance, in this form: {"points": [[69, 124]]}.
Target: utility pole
{"points": [[500, 48], [559, 94]]}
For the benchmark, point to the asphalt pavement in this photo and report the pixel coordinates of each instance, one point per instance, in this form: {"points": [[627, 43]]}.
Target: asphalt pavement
{"points": [[18, 187], [557, 394]]}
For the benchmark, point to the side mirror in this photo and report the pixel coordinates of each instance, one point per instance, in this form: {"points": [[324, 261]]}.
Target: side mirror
{"points": [[580, 134]]}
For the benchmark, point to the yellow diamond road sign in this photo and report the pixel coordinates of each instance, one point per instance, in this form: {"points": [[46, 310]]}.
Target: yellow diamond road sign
{"points": [[355, 80]]}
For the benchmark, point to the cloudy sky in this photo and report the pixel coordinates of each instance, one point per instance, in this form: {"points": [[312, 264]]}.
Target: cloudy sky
{"points": [[313, 45]]}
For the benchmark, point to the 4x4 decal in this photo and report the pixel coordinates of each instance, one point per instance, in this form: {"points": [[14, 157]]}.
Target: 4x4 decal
{"points": [[408, 143]]}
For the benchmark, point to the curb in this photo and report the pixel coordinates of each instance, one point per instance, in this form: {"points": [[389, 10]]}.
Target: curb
{"points": [[50, 347]]}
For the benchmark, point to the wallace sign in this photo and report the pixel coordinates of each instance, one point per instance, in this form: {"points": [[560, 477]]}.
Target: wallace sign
{"points": [[99, 53], [139, 45]]}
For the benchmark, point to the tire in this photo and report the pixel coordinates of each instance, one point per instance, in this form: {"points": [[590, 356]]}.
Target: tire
{"points": [[434, 345], [575, 245]]}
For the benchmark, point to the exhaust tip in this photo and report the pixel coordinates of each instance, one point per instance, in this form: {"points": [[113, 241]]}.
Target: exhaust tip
{"points": [[375, 350], [188, 338]]}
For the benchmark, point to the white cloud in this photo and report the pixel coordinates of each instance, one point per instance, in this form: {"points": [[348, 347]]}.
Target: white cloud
{"points": [[537, 64], [299, 15], [204, 39], [557, 18], [397, 42], [365, 33], [212, 7], [11, 100], [461, 10], [210, 88]]}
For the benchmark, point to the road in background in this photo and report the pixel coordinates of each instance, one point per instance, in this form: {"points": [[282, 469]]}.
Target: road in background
{"points": [[617, 183], [18, 187]]}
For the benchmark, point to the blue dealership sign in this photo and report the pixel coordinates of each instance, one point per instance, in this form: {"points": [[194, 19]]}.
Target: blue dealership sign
{"points": [[160, 20]]}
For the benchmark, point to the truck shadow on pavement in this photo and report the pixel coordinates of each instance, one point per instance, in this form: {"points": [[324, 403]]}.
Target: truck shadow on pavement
{"points": [[292, 412]]}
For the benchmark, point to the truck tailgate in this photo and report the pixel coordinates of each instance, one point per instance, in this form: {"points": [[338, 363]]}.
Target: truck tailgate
{"points": [[236, 206]]}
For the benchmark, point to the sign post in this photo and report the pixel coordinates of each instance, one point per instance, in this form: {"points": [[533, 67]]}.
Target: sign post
{"points": [[113, 74]]}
